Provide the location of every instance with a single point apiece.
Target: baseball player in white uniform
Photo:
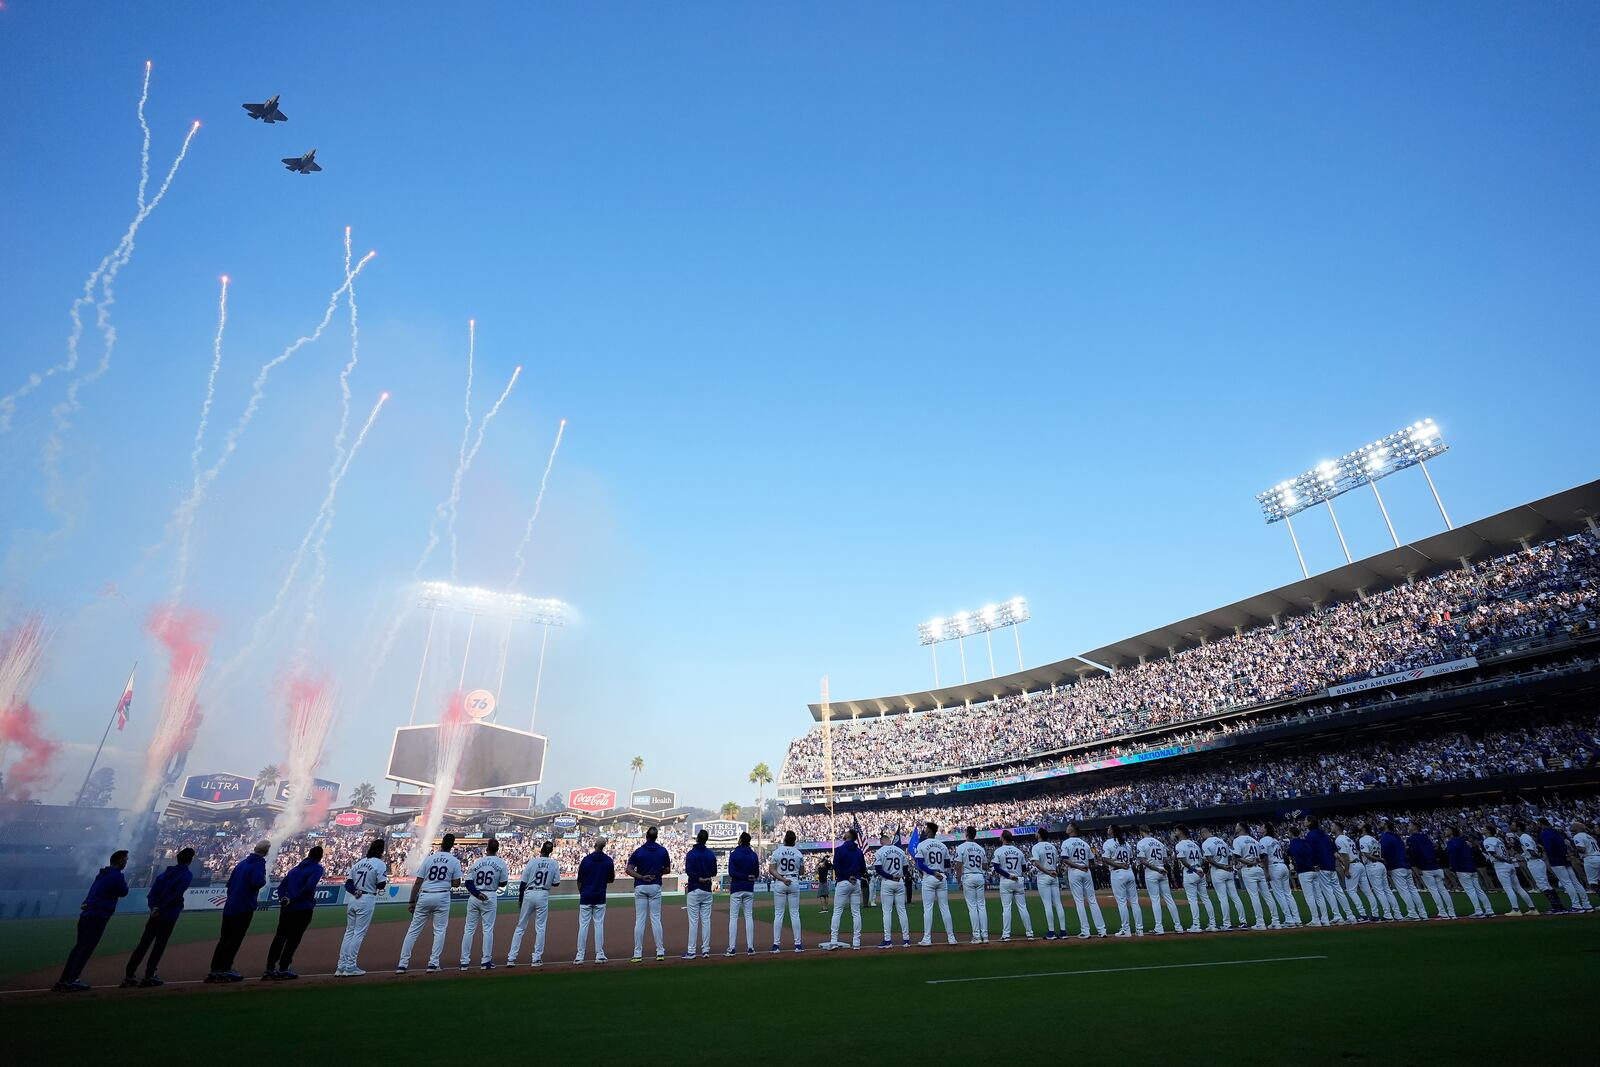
(933, 860)
(1505, 869)
(1219, 860)
(974, 863)
(1533, 860)
(1253, 872)
(1077, 855)
(1352, 872)
(1588, 850)
(541, 875)
(1045, 859)
(430, 902)
(784, 868)
(362, 886)
(1278, 875)
(1192, 863)
(1376, 876)
(1118, 859)
(1010, 865)
(1151, 857)
(489, 874)
(889, 867)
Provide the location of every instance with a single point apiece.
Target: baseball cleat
(636, 959)
(599, 960)
(775, 947)
(749, 952)
(905, 943)
(287, 975)
(433, 968)
(486, 965)
(661, 957)
(400, 970)
(353, 972)
(537, 963)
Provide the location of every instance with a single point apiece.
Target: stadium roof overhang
(1560, 515)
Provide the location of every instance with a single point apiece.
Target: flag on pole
(124, 704)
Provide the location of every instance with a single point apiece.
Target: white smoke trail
(186, 530)
(350, 364)
(538, 502)
(59, 414)
(144, 152)
(8, 403)
(311, 713)
(455, 488)
(442, 510)
(447, 761)
(323, 523)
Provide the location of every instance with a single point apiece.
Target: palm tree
(730, 810)
(636, 765)
(266, 778)
(760, 776)
(364, 796)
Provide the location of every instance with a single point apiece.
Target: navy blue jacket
(1300, 852)
(848, 862)
(1322, 848)
(651, 861)
(166, 893)
(743, 869)
(1555, 846)
(595, 872)
(299, 888)
(107, 888)
(1460, 855)
(701, 867)
(1393, 849)
(244, 884)
(1422, 854)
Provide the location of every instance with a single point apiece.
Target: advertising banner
(592, 798)
(218, 788)
(654, 799)
(1361, 685)
(318, 785)
(721, 833)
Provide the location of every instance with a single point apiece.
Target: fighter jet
(267, 112)
(303, 164)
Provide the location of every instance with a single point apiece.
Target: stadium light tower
(478, 603)
(1412, 446)
(964, 624)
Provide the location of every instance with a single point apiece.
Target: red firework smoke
(187, 638)
(19, 725)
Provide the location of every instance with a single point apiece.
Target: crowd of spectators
(1555, 744)
(1544, 591)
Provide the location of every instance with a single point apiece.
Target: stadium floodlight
(1411, 446)
(964, 624)
(470, 600)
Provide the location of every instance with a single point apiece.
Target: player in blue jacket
(166, 904)
(99, 905)
(700, 868)
(244, 886)
(648, 864)
(744, 867)
(849, 865)
(595, 872)
(297, 901)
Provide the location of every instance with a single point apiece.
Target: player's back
(1188, 853)
(369, 874)
(891, 859)
(971, 856)
(1271, 848)
(1077, 850)
(1009, 859)
(437, 872)
(788, 861)
(934, 856)
(1046, 855)
(1153, 850)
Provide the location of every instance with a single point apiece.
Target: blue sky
(859, 314)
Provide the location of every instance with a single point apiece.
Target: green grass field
(1391, 994)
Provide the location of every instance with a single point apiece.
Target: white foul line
(1117, 970)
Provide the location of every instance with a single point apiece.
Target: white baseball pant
(977, 905)
(1283, 892)
(1540, 875)
(699, 904)
(591, 915)
(1125, 891)
(1355, 881)
(1333, 896)
(892, 899)
(1055, 916)
(1313, 894)
(479, 913)
(936, 889)
(1082, 885)
(1255, 884)
(1377, 876)
(434, 908)
(357, 917)
(1591, 872)
(1516, 896)
(1223, 882)
(743, 901)
(1433, 882)
(1405, 887)
(846, 894)
(647, 904)
(1196, 894)
(1160, 889)
(1474, 890)
(535, 906)
(1014, 894)
(1567, 880)
(785, 899)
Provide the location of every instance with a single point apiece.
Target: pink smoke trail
(538, 502)
(186, 529)
(21, 657)
(19, 725)
(186, 635)
(311, 710)
(453, 729)
(455, 489)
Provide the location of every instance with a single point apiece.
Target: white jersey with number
(788, 862)
(1009, 859)
(1077, 850)
(1271, 848)
(1216, 850)
(1046, 857)
(1114, 852)
(437, 872)
(934, 856)
(1345, 847)
(542, 872)
(368, 876)
(488, 873)
(1247, 848)
(892, 859)
(1585, 843)
(1371, 851)
(1189, 855)
(1154, 851)
(1530, 848)
(972, 857)
(1495, 849)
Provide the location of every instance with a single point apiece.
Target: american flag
(125, 702)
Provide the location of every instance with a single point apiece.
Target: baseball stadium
(766, 262)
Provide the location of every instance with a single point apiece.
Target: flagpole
(99, 748)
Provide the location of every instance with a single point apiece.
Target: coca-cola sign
(592, 798)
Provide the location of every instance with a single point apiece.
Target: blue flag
(916, 838)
